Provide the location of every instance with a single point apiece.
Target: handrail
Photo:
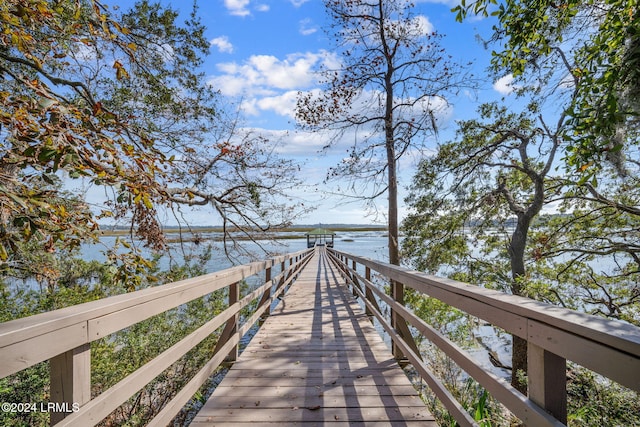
(553, 334)
(63, 337)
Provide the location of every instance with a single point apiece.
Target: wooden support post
(70, 387)
(369, 294)
(269, 292)
(547, 381)
(291, 272)
(400, 325)
(283, 276)
(231, 326)
(397, 293)
(266, 296)
(354, 278)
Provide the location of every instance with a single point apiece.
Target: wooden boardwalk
(316, 361)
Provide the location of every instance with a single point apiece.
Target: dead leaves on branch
(56, 122)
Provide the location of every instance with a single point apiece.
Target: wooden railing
(554, 335)
(63, 337)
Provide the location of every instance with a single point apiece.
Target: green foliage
(594, 400)
(585, 259)
(481, 411)
(597, 51)
(473, 201)
(482, 407)
(484, 192)
(452, 322)
(31, 386)
(114, 98)
(121, 353)
(125, 351)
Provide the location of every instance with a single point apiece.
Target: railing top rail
(619, 335)
(18, 330)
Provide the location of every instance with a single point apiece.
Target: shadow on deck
(318, 359)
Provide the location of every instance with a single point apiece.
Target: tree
(388, 91)
(591, 46)
(592, 51)
(498, 168)
(586, 255)
(122, 352)
(116, 100)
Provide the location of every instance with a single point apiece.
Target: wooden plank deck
(316, 361)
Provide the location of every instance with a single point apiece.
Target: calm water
(371, 244)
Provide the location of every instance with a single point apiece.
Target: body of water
(370, 244)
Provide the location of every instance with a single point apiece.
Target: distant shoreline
(275, 233)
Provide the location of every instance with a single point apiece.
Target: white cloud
(423, 23)
(237, 7)
(166, 51)
(451, 3)
(241, 7)
(504, 85)
(82, 52)
(223, 44)
(298, 3)
(307, 27)
(283, 105)
(268, 84)
(267, 75)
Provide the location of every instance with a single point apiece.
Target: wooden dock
(317, 360)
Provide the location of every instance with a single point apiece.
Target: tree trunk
(394, 251)
(390, 144)
(519, 345)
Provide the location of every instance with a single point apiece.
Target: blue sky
(263, 52)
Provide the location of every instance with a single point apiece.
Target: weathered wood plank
(297, 415)
(321, 423)
(317, 359)
(22, 354)
(320, 400)
(364, 390)
(28, 327)
(508, 308)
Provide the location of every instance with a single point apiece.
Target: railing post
(400, 325)
(266, 296)
(397, 293)
(369, 295)
(547, 381)
(283, 275)
(70, 382)
(234, 297)
(354, 277)
(231, 326)
(267, 279)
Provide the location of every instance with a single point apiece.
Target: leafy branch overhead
(115, 100)
(596, 50)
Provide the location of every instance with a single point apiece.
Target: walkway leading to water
(316, 361)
